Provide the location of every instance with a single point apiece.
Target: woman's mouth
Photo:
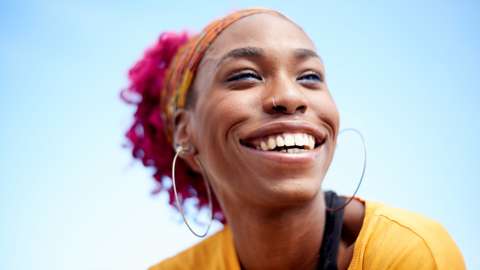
(287, 142)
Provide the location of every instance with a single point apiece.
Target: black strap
(332, 232)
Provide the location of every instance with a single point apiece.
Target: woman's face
(264, 123)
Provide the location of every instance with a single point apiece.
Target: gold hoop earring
(363, 169)
(179, 150)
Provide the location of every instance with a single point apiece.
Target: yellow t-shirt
(390, 238)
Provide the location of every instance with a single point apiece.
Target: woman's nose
(285, 98)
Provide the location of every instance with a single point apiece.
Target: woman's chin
(290, 192)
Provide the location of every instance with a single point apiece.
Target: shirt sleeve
(396, 246)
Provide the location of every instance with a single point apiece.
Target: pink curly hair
(147, 136)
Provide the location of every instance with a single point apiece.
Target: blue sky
(404, 73)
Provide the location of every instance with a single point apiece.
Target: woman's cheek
(211, 121)
(326, 109)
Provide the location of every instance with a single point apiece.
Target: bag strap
(332, 232)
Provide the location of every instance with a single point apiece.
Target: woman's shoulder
(215, 252)
(390, 238)
(403, 240)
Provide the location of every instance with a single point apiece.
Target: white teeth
(263, 145)
(289, 139)
(295, 150)
(271, 143)
(280, 141)
(311, 142)
(303, 140)
(299, 140)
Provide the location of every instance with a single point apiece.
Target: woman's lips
(287, 134)
(285, 141)
(296, 157)
(290, 126)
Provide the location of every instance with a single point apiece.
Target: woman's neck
(287, 239)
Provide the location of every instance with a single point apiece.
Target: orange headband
(180, 74)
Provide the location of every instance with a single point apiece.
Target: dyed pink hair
(147, 135)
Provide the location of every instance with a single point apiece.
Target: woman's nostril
(284, 109)
(288, 105)
(302, 108)
(280, 108)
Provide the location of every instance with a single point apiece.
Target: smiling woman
(246, 106)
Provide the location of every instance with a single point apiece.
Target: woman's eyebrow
(303, 54)
(244, 52)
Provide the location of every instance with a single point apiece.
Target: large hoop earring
(179, 150)
(363, 170)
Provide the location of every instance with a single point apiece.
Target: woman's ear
(182, 135)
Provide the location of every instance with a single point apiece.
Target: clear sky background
(403, 72)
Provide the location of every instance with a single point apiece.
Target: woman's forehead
(264, 31)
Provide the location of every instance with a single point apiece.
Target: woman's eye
(311, 77)
(243, 76)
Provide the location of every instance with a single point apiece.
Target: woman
(246, 106)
